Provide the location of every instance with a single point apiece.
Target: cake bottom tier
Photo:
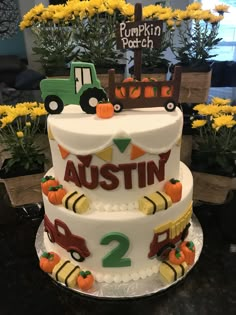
(118, 246)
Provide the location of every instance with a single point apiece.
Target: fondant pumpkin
(188, 249)
(173, 188)
(166, 91)
(149, 91)
(176, 256)
(105, 110)
(47, 182)
(85, 280)
(48, 261)
(134, 91)
(56, 194)
(120, 92)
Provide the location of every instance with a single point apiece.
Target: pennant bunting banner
(122, 143)
(64, 152)
(136, 152)
(105, 154)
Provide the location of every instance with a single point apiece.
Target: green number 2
(114, 257)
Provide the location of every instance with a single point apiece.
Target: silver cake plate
(132, 289)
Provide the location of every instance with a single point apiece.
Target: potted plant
(214, 150)
(53, 43)
(20, 129)
(154, 62)
(196, 35)
(94, 31)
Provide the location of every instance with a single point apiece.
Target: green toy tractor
(82, 88)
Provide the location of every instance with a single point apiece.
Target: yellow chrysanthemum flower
(220, 101)
(215, 19)
(221, 8)
(224, 120)
(36, 112)
(20, 134)
(198, 123)
(194, 6)
(6, 120)
(28, 124)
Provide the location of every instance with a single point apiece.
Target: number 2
(115, 257)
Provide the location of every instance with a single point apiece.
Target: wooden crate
(24, 190)
(195, 87)
(212, 188)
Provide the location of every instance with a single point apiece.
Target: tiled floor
(210, 288)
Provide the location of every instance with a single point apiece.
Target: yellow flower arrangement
(196, 32)
(20, 125)
(155, 58)
(215, 124)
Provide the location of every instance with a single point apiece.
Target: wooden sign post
(137, 35)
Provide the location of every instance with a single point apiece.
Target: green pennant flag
(122, 143)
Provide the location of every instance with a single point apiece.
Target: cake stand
(132, 289)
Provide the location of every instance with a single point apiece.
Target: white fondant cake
(115, 218)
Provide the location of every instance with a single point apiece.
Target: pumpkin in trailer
(48, 260)
(56, 194)
(47, 182)
(104, 110)
(85, 280)
(166, 91)
(134, 91)
(120, 92)
(188, 248)
(150, 91)
(176, 256)
(173, 188)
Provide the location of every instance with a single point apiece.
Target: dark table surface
(210, 287)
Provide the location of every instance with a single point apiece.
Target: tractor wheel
(53, 104)
(170, 106)
(90, 98)
(118, 107)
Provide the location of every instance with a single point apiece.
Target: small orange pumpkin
(120, 92)
(48, 261)
(173, 188)
(150, 91)
(47, 182)
(166, 91)
(56, 194)
(176, 256)
(105, 110)
(134, 91)
(188, 249)
(85, 280)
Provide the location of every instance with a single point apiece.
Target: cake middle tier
(115, 160)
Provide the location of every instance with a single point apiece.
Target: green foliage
(53, 45)
(195, 41)
(96, 37)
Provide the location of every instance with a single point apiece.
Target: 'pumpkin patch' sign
(139, 34)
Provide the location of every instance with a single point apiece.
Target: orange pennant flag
(64, 152)
(136, 152)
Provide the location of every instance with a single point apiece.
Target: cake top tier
(153, 129)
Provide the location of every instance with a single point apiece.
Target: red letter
(106, 171)
(142, 174)
(94, 176)
(127, 168)
(71, 174)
